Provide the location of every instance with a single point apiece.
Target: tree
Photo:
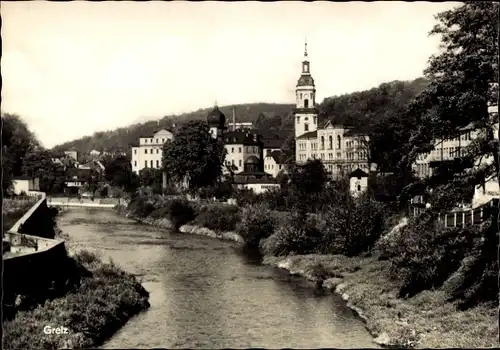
(459, 92)
(149, 177)
(17, 141)
(39, 164)
(119, 173)
(194, 156)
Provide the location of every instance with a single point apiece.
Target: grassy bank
(420, 285)
(13, 211)
(426, 320)
(105, 299)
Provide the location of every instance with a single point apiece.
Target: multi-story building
(241, 145)
(148, 154)
(72, 154)
(444, 150)
(339, 148)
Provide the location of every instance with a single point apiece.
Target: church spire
(305, 50)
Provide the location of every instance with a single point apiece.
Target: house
(25, 185)
(148, 153)
(94, 153)
(339, 148)
(486, 191)
(274, 162)
(72, 154)
(240, 146)
(76, 178)
(358, 182)
(253, 178)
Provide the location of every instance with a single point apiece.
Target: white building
(340, 150)
(358, 182)
(148, 154)
(72, 154)
(274, 162)
(25, 185)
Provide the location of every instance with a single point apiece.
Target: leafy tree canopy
(194, 156)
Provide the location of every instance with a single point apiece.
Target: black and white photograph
(250, 174)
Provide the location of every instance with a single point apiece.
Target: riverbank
(105, 299)
(426, 320)
(368, 284)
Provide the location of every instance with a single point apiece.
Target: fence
(462, 217)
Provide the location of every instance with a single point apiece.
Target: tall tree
(460, 91)
(194, 156)
(119, 173)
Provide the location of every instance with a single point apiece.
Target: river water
(204, 293)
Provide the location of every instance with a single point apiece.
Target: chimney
(234, 118)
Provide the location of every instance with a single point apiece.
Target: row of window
(151, 164)
(448, 152)
(306, 119)
(314, 145)
(151, 152)
(349, 156)
(231, 162)
(271, 166)
(157, 140)
(249, 149)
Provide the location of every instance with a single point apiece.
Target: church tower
(306, 116)
(217, 122)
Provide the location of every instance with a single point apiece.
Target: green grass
(92, 312)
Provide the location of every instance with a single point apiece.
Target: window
(145, 151)
(339, 145)
(232, 161)
(151, 151)
(135, 163)
(151, 140)
(322, 156)
(135, 151)
(306, 103)
(330, 142)
(162, 140)
(145, 140)
(157, 150)
(151, 162)
(359, 187)
(300, 96)
(157, 141)
(306, 127)
(298, 119)
(239, 149)
(322, 142)
(145, 163)
(239, 162)
(232, 149)
(158, 164)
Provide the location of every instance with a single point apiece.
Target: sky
(72, 68)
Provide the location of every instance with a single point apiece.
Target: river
(204, 293)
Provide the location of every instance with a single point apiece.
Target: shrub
(245, 197)
(140, 206)
(178, 211)
(297, 235)
(426, 254)
(218, 217)
(480, 278)
(256, 223)
(353, 227)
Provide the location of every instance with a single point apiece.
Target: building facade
(149, 152)
(338, 147)
(240, 146)
(274, 162)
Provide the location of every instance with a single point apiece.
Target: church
(339, 148)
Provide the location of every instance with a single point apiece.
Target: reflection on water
(205, 293)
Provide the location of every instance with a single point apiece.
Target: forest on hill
(362, 109)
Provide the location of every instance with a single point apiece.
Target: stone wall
(38, 221)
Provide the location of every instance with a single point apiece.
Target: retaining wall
(38, 220)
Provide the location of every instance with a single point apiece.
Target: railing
(462, 218)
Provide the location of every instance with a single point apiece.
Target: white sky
(72, 68)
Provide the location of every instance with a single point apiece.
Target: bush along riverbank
(414, 282)
(104, 300)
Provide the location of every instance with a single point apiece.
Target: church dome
(252, 160)
(216, 118)
(305, 80)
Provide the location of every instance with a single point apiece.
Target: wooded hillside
(362, 109)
